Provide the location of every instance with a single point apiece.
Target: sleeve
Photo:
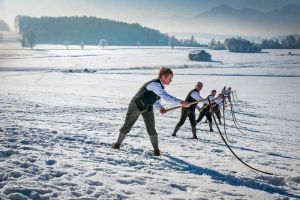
(219, 101)
(196, 96)
(158, 90)
(227, 93)
(158, 105)
(210, 98)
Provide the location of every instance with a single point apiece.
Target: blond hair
(164, 71)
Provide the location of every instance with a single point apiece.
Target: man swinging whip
(142, 104)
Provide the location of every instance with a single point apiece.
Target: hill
(56, 30)
(4, 26)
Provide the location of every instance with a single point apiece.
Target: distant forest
(245, 46)
(289, 42)
(90, 30)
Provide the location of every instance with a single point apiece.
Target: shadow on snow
(177, 163)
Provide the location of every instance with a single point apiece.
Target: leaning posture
(205, 110)
(217, 105)
(142, 104)
(192, 96)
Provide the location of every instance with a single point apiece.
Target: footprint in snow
(131, 181)
(50, 162)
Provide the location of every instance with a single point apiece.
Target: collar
(161, 82)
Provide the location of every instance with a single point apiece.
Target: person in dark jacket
(216, 105)
(192, 96)
(142, 103)
(206, 111)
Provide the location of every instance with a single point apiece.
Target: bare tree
(28, 39)
(82, 45)
(212, 43)
(138, 44)
(67, 44)
(103, 43)
(172, 42)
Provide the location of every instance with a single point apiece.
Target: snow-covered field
(57, 126)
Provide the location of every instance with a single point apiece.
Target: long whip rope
(236, 124)
(253, 168)
(233, 97)
(224, 120)
(236, 95)
(223, 102)
(233, 114)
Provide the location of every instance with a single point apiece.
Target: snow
(57, 127)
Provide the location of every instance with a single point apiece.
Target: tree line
(289, 42)
(245, 46)
(90, 30)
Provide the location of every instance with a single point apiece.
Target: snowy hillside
(57, 126)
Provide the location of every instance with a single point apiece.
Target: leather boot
(210, 127)
(119, 141)
(157, 152)
(116, 146)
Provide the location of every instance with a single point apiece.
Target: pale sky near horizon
(141, 11)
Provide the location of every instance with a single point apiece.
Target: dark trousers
(133, 114)
(187, 112)
(217, 111)
(205, 112)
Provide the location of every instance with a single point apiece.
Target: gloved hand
(163, 111)
(185, 104)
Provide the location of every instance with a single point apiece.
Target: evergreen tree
(270, 44)
(216, 45)
(192, 41)
(219, 46)
(291, 41)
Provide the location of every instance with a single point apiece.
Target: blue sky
(145, 12)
